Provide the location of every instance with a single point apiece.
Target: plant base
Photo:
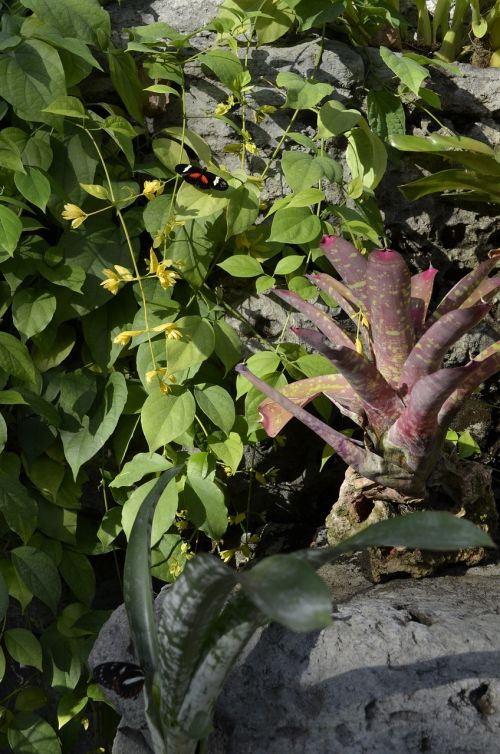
(458, 486)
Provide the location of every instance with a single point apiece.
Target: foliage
(205, 622)
(115, 356)
(390, 378)
(475, 180)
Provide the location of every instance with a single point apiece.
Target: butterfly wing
(124, 678)
(201, 178)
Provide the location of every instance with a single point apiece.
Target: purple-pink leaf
(466, 286)
(368, 464)
(338, 292)
(427, 354)
(421, 292)
(484, 292)
(381, 403)
(349, 263)
(388, 290)
(334, 386)
(417, 427)
(486, 364)
(323, 322)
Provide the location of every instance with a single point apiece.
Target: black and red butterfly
(124, 678)
(201, 178)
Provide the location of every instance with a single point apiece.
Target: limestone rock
(406, 667)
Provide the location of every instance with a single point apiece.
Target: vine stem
(129, 245)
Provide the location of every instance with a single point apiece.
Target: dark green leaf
(18, 507)
(287, 590)
(23, 647)
(39, 574)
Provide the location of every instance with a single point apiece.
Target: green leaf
(85, 20)
(32, 77)
(194, 245)
(203, 499)
(241, 266)
(366, 157)
(137, 591)
(169, 153)
(300, 93)
(164, 514)
(126, 81)
(34, 186)
(289, 264)
(229, 451)
(217, 404)
(15, 585)
(140, 465)
(386, 114)
(30, 698)
(191, 139)
(227, 344)
(165, 417)
(32, 310)
(29, 734)
(467, 445)
(426, 530)
(242, 210)
(196, 346)
(4, 598)
(17, 507)
(334, 119)
(70, 107)
(23, 647)
(288, 591)
(39, 574)
(191, 202)
(410, 73)
(3, 433)
(97, 427)
(2, 664)
(95, 190)
(10, 230)
(77, 572)
(304, 198)
(295, 226)
(69, 706)
(301, 170)
(226, 66)
(272, 22)
(10, 156)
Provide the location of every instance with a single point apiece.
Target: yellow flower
(175, 568)
(152, 189)
(153, 262)
(166, 277)
(170, 330)
(164, 388)
(113, 279)
(75, 214)
(123, 273)
(124, 338)
(251, 147)
(227, 555)
(112, 282)
(223, 108)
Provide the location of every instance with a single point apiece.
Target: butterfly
(201, 178)
(124, 678)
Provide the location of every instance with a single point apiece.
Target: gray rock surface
(409, 666)
(406, 667)
(183, 15)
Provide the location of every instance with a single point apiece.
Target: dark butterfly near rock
(201, 178)
(124, 678)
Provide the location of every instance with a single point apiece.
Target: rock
(183, 16)
(406, 667)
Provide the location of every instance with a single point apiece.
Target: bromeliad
(390, 378)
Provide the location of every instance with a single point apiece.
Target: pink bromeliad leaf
(302, 392)
(420, 296)
(427, 354)
(388, 291)
(466, 286)
(323, 322)
(349, 263)
(368, 464)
